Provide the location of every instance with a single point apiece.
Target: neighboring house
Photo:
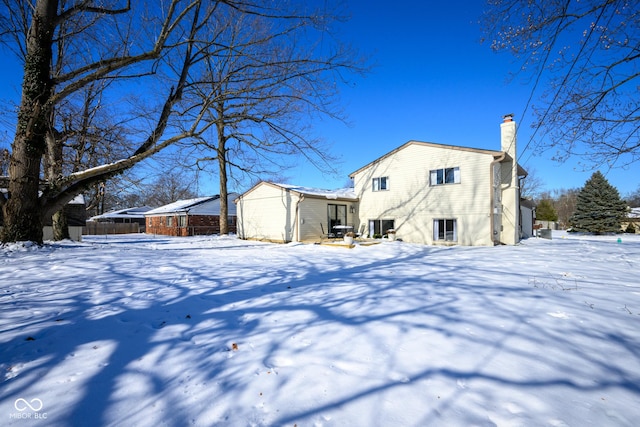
(633, 218)
(114, 220)
(190, 217)
(527, 218)
(286, 213)
(442, 194)
(427, 193)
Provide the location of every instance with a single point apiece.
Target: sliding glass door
(337, 215)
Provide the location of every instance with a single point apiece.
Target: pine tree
(545, 211)
(599, 208)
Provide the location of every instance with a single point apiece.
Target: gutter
(491, 199)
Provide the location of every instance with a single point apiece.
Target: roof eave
(425, 144)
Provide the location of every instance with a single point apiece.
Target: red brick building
(192, 217)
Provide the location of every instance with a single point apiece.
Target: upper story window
(445, 176)
(380, 184)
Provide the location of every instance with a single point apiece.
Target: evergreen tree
(545, 211)
(599, 208)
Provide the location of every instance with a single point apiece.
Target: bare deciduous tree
(168, 188)
(261, 86)
(586, 54)
(633, 198)
(116, 56)
(4, 161)
(154, 45)
(531, 185)
(565, 204)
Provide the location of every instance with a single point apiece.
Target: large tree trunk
(53, 173)
(22, 213)
(60, 226)
(222, 170)
(22, 220)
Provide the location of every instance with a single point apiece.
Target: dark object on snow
(545, 233)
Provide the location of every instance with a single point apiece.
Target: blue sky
(432, 80)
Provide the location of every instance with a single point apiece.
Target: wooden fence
(110, 228)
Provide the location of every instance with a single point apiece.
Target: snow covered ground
(158, 331)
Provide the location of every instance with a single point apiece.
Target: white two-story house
(427, 193)
(442, 194)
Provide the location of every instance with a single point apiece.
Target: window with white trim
(445, 176)
(380, 184)
(379, 227)
(445, 230)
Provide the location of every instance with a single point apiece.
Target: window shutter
(456, 175)
(436, 230)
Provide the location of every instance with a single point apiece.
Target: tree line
(597, 207)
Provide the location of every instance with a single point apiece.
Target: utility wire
(542, 69)
(564, 81)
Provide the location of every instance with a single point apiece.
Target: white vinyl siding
(413, 203)
(270, 212)
(267, 213)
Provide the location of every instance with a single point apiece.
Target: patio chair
(328, 235)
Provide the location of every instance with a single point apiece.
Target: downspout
(491, 198)
(187, 222)
(296, 218)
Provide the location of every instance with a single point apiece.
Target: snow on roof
(342, 193)
(634, 213)
(180, 205)
(137, 212)
(198, 206)
(78, 200)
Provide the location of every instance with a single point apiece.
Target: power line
(566, 77)
(541, 70)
